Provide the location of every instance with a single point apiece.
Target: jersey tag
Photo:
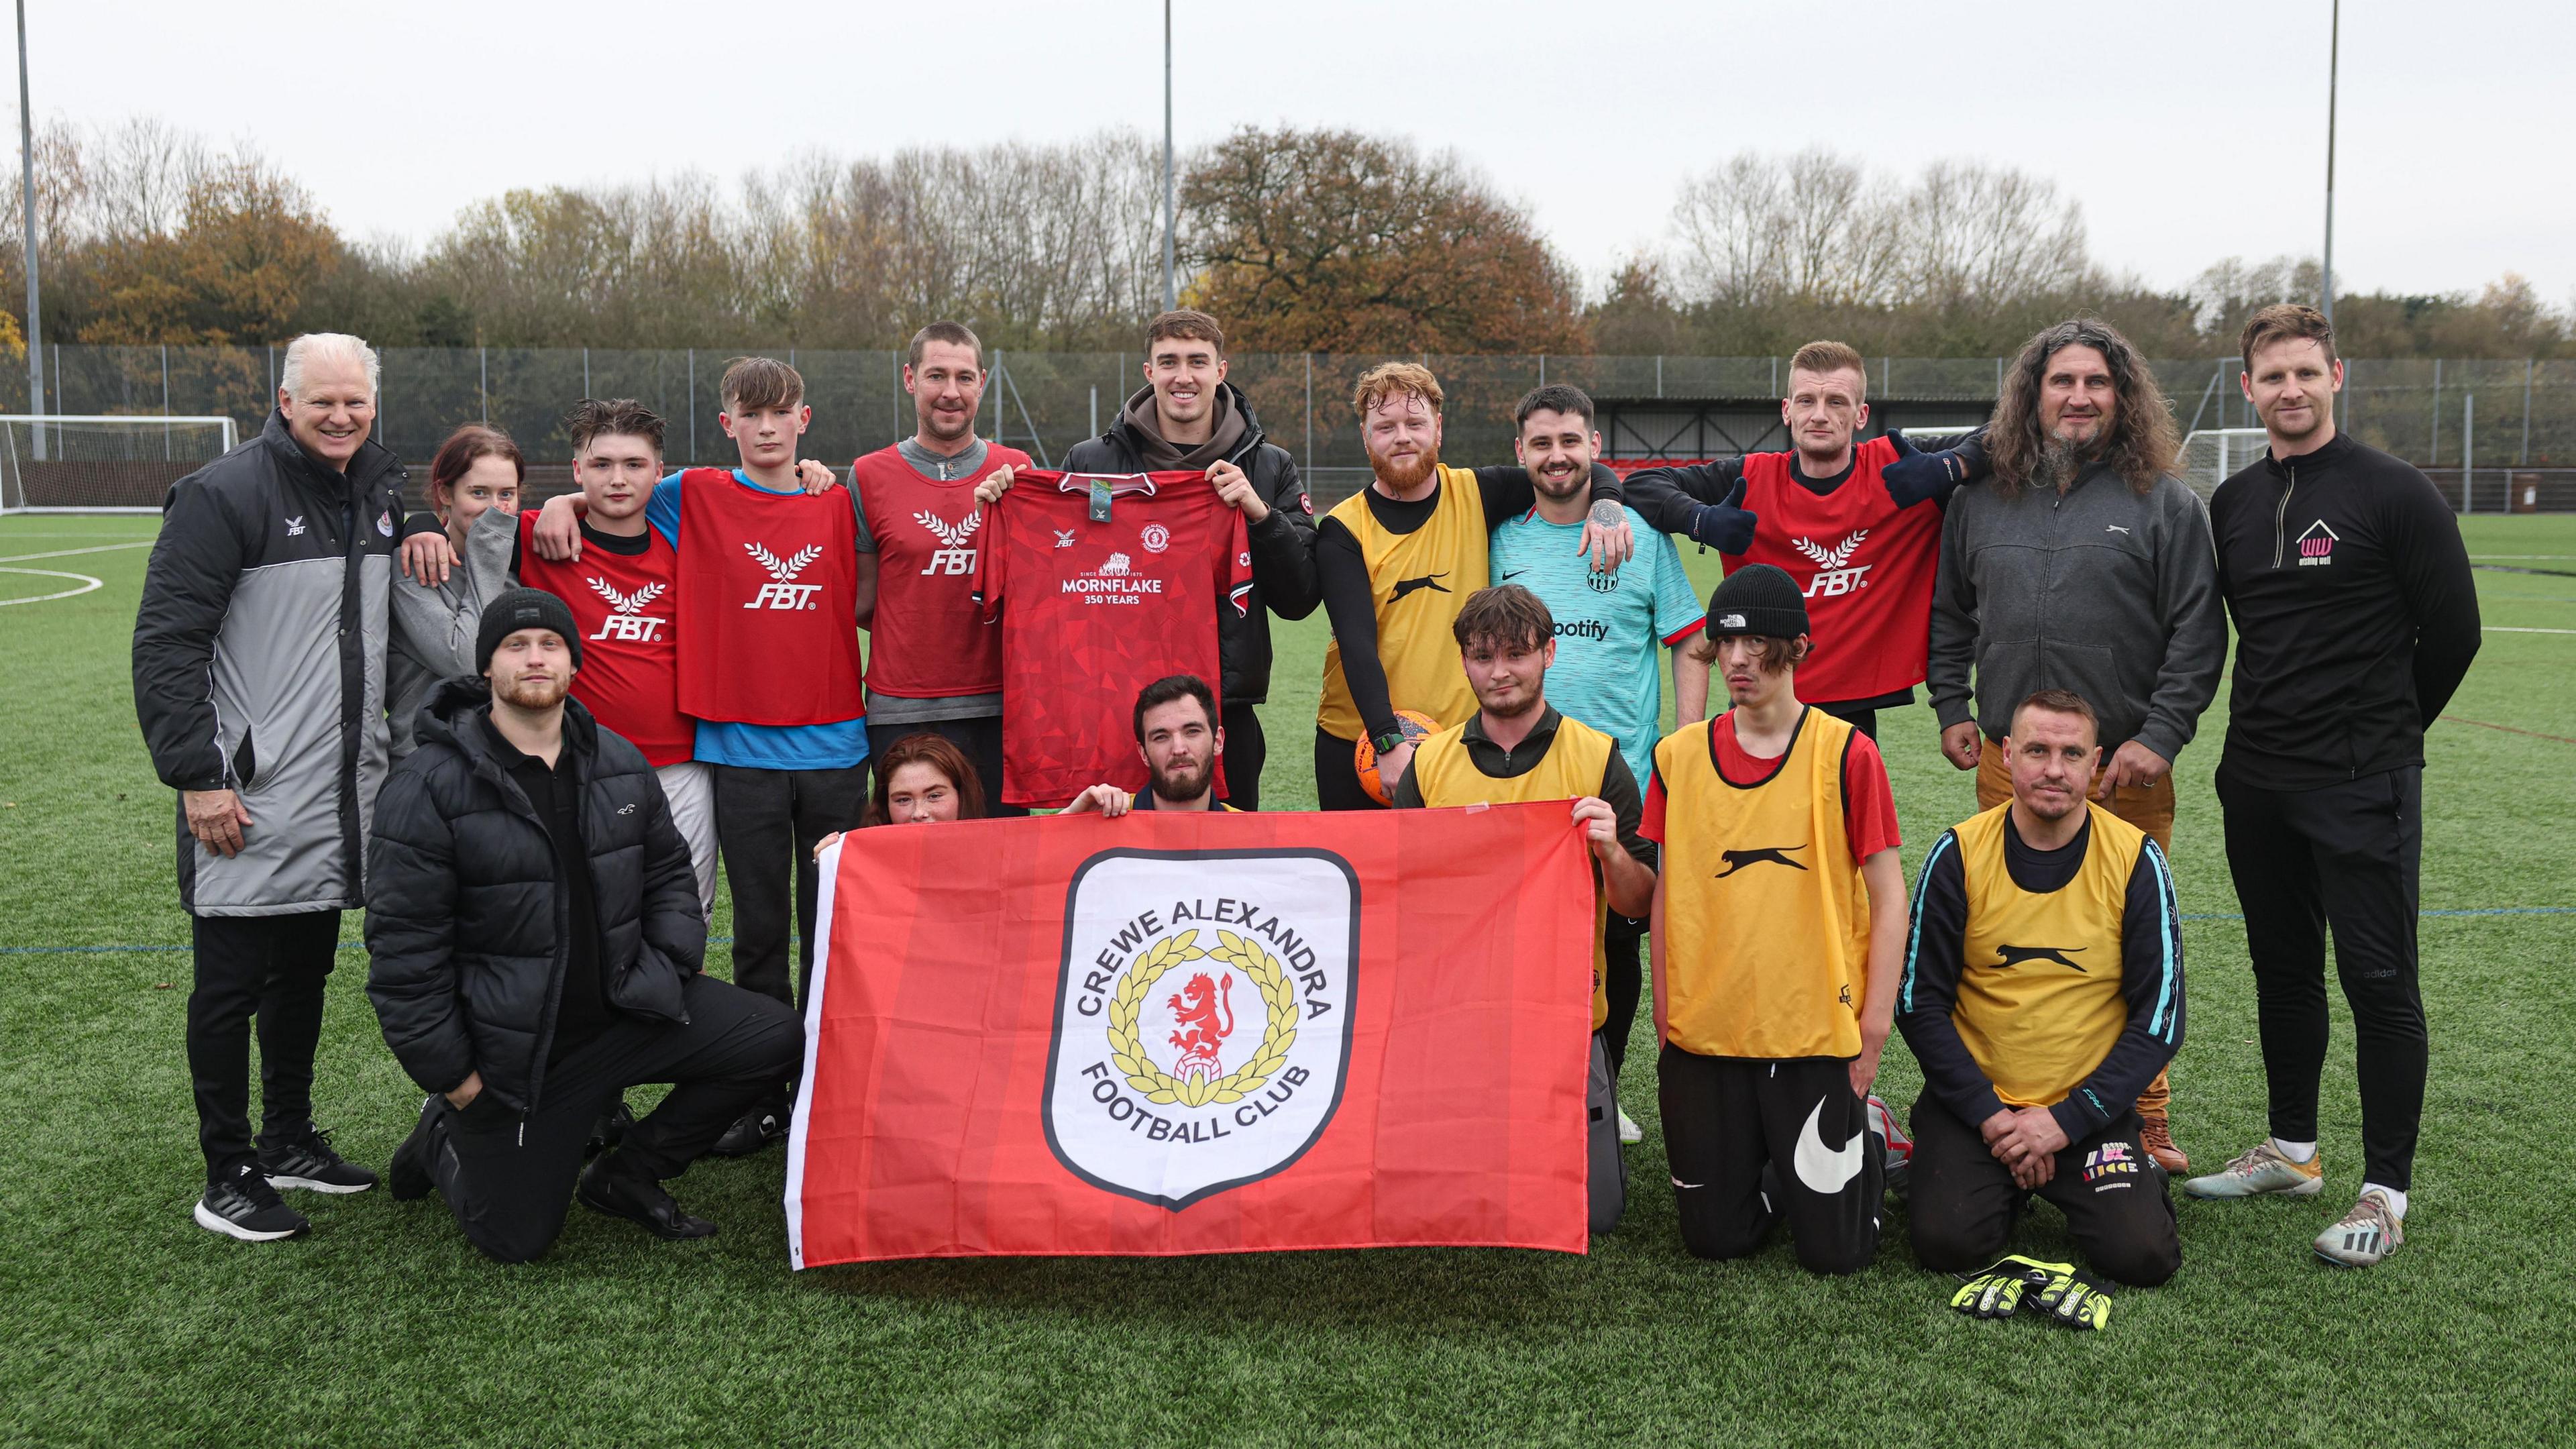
(1100, 500)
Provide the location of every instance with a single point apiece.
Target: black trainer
(606, 1187)
(310, 1163)
(407, 1175)
(241, 1204)
(754, 1130)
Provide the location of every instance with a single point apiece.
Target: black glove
(2075, 1300)
(1917, 476)
(1997, 1291)
(1725, 526)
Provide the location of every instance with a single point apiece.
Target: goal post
(102, 463)
(2210, 455)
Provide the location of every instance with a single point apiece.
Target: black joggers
(2349, 856)
(1728, 1119)
(767, 824)
(1963, 1201)
(509, 1177)
(270, 968)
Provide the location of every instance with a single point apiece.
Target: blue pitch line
(728, 940)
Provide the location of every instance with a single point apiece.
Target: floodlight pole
(1171, 294)
(2334, 65)
(27, 208)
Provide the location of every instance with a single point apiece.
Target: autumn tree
(1332, 241)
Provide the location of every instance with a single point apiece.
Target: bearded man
(2085, 566)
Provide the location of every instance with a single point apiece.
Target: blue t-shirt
(833, 746)
(1610, 629)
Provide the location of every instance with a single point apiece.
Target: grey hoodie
(2101, 591)
(434, 628)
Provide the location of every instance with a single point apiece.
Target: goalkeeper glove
(2075, 1300)
(1997, 1291)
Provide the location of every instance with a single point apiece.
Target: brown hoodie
(1161, 456)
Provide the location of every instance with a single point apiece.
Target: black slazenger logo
(1407, 586)
(1769, 855)
(2007, 957)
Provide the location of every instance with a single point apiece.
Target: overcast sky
(2191, 130)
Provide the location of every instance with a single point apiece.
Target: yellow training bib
(2039, 1002)
(1418, 581)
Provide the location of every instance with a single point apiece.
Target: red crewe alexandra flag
(1197, 1033)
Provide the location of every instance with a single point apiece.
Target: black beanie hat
(1755, 599)
(518, 609)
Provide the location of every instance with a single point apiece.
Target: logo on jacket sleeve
(2316, 546)
(1200, 1040)
(952, 556)
(626, 619)
(782, 591)
(1835, 574)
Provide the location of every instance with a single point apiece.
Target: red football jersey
(627, 608)
(929, 640)
(1092, 612)
(769, 631)
(1866, 565)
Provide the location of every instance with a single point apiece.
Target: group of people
(590, 702)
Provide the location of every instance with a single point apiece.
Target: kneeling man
(2042, 992)
(1178, 735)
(1516, 747)
(535, 936)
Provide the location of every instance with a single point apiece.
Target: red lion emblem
(1203, 1012)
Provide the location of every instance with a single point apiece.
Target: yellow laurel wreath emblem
(1127, 1047)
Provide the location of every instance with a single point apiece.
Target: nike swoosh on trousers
(1824, 1170)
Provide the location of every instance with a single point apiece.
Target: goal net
(111, 464)
(2211, 454)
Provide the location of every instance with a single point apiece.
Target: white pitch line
(68, 552)
(87, 584)
(2501, 629)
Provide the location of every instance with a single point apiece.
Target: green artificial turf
(121, 1322)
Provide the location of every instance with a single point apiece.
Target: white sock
(2295, 1151)
(2396, 1199)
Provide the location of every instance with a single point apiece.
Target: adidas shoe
(309, 1162)
(2260, 1171)
(241, 1204)
(2370, 1232)
(1629, 1131)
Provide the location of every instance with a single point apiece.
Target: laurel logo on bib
(1200, 1039)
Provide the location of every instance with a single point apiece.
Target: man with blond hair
(259, 681)
(1397, 560)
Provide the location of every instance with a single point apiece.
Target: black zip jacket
(2356, 614)
(467, 933)
(1283, 544)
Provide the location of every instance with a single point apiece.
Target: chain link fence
(2494, 416)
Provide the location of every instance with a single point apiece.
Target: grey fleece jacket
(2101, 591)
(434, 629)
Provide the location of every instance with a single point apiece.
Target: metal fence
(2438, 414)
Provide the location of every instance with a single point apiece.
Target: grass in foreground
(122, 1322)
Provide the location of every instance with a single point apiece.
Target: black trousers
(979, 738)
(509, 1178)
(1337, 776)
(1625, 984)
(270, 968)
(2347, 855)
(1726, 1119)
(767, 823)
(1246, 751)
(1861, 719)
(1964, 1202)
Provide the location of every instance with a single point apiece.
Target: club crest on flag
(1202, 1017)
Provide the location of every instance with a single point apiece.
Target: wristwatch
(1387, 741)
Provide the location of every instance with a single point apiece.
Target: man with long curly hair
(2085, 565)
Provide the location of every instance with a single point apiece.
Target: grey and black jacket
(259, 666)
(434, 628)
(467, 939)
(1282, 545)
(2104, 591)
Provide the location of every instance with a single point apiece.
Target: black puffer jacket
(1282, 545)
(465, 909)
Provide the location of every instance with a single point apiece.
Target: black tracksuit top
(2356, 614)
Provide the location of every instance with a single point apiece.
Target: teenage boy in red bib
(934, 663)
(1844, 521)
(769, 667)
